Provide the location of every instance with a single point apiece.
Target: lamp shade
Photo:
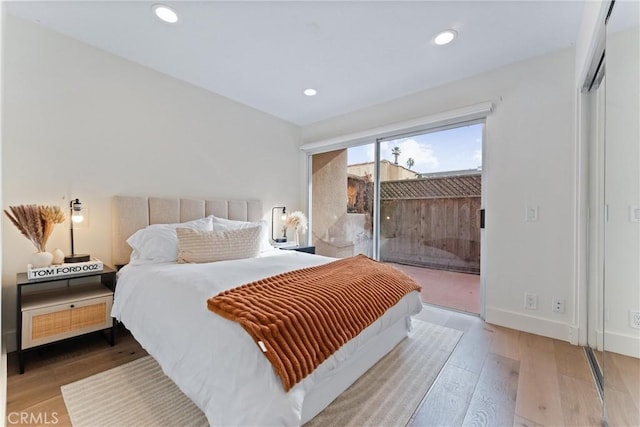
(278, 221)
(78, 215)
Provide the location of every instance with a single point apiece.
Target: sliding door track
(595, 370)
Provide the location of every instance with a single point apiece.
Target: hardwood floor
(495, 377)
(498, 376)
(36, 393)
(621, 389)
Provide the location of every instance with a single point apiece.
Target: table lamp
(78, 216)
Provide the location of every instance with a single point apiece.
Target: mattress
(212, 359)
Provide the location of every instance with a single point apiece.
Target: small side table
(51, 313)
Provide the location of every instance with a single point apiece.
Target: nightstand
(301, 248)
(58, 308)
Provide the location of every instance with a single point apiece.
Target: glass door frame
(376, 199)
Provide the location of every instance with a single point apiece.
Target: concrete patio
(460, 291)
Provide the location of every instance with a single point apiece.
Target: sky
(452, 149)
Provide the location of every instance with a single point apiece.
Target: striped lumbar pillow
(200, 246)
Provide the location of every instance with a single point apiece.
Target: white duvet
(212, 359)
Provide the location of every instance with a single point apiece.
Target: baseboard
(574, 335)
(532, 324)
(628, 345)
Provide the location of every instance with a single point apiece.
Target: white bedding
(212, 359)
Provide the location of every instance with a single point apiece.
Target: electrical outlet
(558, 305)
(531, 213)
(634, 319)
(530, 301)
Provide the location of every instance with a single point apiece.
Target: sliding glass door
(429, 204)
(430, 192)
(412, 201)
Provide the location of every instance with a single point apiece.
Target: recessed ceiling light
(310, 92)
(445, 37)
(165, 13)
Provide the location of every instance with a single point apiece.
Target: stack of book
(67, 269)
(283, 244)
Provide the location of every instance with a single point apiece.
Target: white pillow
(221, 224)
(159, 242)
(211, 246)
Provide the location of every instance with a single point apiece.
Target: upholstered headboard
(130, 214)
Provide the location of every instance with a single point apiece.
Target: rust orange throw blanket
(302, 317)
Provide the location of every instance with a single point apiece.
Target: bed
(212, 359)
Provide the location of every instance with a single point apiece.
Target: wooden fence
(440, 233)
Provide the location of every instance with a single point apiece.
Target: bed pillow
(210, 246)
(159, 242)
(221, 224)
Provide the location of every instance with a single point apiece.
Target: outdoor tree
(410, 162)
(395, 152)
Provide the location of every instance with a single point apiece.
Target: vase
(41, 259)
(297, 238)
(58, 256)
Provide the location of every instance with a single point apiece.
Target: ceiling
(355, 54)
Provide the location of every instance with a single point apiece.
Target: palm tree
(410, 162)
(395, 152)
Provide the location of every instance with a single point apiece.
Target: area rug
(138, 393)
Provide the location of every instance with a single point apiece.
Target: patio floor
(460, 291)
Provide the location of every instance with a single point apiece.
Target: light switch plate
(531, 213)
(634, 214)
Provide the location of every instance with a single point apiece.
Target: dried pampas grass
(35, 222)
(297, 220)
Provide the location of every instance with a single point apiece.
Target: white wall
(622, 191)
(530, 161)
(79, 122)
